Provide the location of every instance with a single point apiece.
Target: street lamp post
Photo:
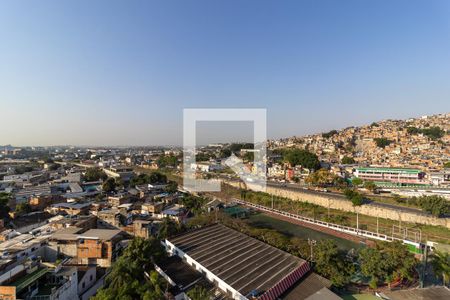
(311, 244)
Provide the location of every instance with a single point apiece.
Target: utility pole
(377, 225)
(328, 208)
(357, 222)
(312, 243)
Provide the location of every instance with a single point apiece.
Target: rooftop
(28, 279)
(72, 205)
(102, 234)
(395, 170)
(311, 286)
(241, 261)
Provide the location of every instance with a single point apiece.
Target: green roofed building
(396, 176)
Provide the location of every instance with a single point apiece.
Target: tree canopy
(387, 262)
(346, 160)
(433, 133)
(332, 263)
(168, 228)
(128, 279)
(154, 177)
(441, 265)
(4, 208)
(382, 142)
(370, 185)
(236, 147)
(109, 185)
(23, 208)
(436, 205)
(165, 161)
(354, 196)
(329, 134)
(301, 157)
(323, 177)
(95, 174)
(193, 203)
(357, 181)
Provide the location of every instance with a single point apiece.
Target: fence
(337, 227)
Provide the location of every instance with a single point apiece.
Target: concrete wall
(93, 290)
(328, 200)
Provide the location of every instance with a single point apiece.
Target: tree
(128, 275)
(441, 265)
(109, 185)
(329, 134)
(249, 156)
(447, 164)
(199, 293)
(144, 252)
(153, 177)
(356, 198)
(357, 181)
(225, 153)
(23, 208)
(322, 177)
(95, 174)
(4, 208)
(436, 205)
(202, 157)
(332, 263)
(433, 133)
(167, 161)
(382, 142)
(193, 203)
(303, 158)
(412, 130)
(370, 185)
(371, 263)
(347, 160)
(387, 262)
(168, 228)
(171, 187)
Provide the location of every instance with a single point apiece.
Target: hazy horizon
(207, 139)
(110, 73)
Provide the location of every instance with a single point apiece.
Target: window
(91, 277)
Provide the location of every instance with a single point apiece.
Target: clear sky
(121, 72)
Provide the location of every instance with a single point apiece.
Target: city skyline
(123, 75)
(238, 132)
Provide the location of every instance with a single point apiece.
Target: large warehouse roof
(244, 263)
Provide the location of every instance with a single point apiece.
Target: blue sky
(121, 72)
